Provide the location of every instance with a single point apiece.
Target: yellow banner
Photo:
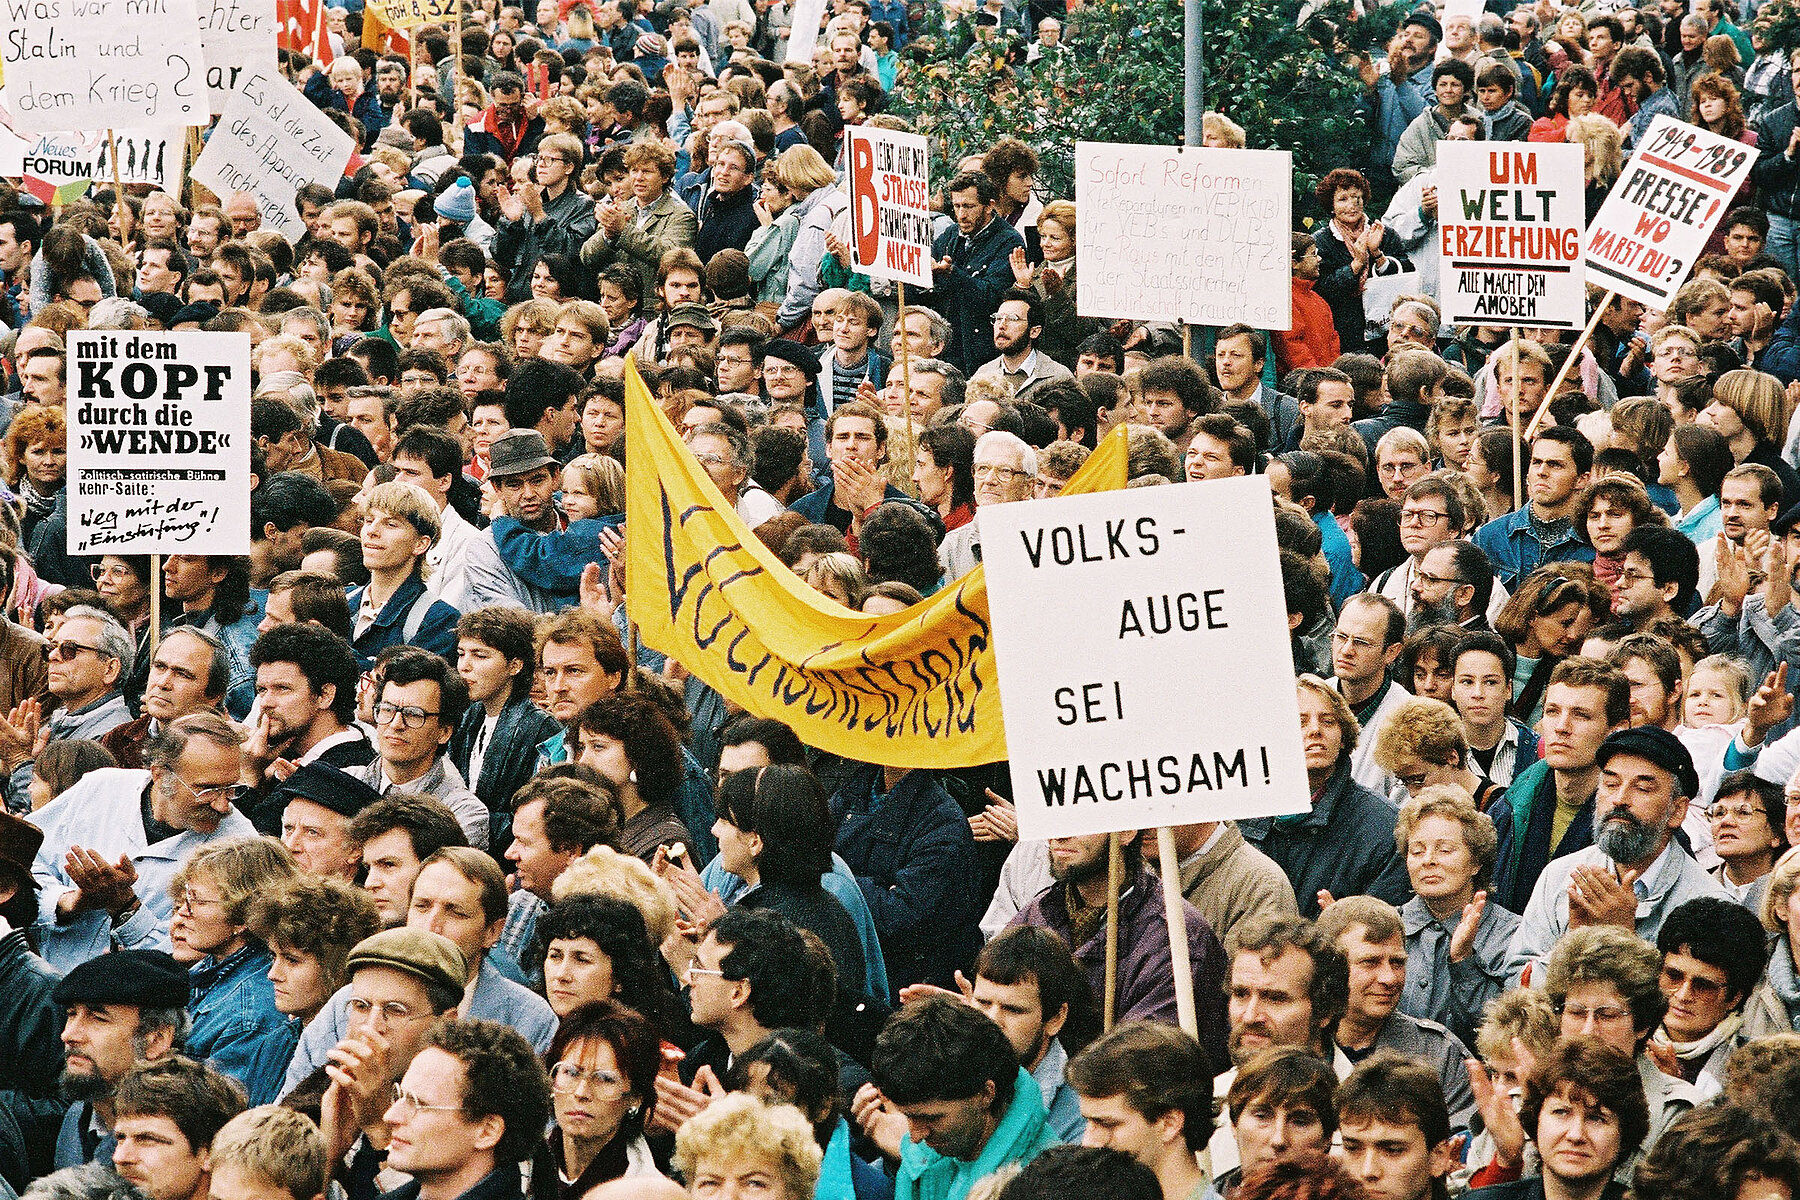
(916, 688)
(409, 14)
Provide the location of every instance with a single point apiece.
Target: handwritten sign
(1113, 611)
(803, 30)
(91, 64)
(1172, 234)
(890, 204)
(410, 14)
(1510, 217)
(159, 443)
(239, 36)
(1668, 200)
(149, 156)
(269, 142)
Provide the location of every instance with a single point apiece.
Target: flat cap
(428, 956)
(794, 352)
(1659, 747)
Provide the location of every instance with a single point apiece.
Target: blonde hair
(276, 1144)
(1227, 129)
(741, 1127)
(1783, 878)
(1603, 145)
(408, 501)
(241, 867)
(604, 478)
(304, 356)
(845, 570)
(1758, 399)
(1523, 1013)
(803, 171)
(1422, 728)
(539, 316)
(604, 871)
(1453, 804)
(1340, 710)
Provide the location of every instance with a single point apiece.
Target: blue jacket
(552, 562)
(969, 292)
(914, 857)
(1400, 102)
(1515, 551)
(1344, 846)
(236, 1023)
(511, 756)
(436, 632)
(1781, 357)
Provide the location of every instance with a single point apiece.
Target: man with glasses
(421, 702)
(402, 981)
(1018, 323)
(114, 841)
(1453, 584)
(87, 665)
(1431, 514)
(1748, 821)
(1369, 636)
(547, 215)
(1006, 469)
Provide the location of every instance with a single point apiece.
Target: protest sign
(159, 443)
(239, 36)
(890, 204)
(803, 30)
(1666, 203)
(1176, 234)
(55, 160)
(1145, 673)
(1510, 217)
(410, 14)
(269, 142)
(92, 64)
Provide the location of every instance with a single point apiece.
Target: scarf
(1689, 1051)
(835, 1181)
(1021, 1135)
(1784, 982)
(37, 505)
(1549, 533)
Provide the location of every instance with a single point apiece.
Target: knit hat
(1424, 20)
(456, 202)
(728, 274)
(397, 137)
(793, 352)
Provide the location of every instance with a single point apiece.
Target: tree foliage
(1291, 86)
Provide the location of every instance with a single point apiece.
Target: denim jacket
(236, 1024)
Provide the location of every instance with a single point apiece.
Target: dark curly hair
(617, 927)
(652, 744)
(898, 543)
(503, 1078)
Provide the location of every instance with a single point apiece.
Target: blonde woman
(1603, 145)
(1749, 410)
(809, 182)
(1774, 1007)
(741, 1146)
(1053, 280)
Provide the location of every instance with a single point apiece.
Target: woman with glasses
(123, 581)
(1746, 822)
(603, 1064)
(236, 1021)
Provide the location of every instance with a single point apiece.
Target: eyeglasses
(1740, 811)
(212, 793)
(393, 1010)
(1005, 320)
(1601, 1016)
(1398, 469)
(713, 460)
(568, 1077)
(553, 158)
(404, 1098)
(1419, 516)
(412, 716)
(67, 651)
(1438, 580)
(1633, 578)
(1340, 638)
(101, 573)
(694, 969)
(1003, 474)
(189, 904)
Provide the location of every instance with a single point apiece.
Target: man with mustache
(1635, 873)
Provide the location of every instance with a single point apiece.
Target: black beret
(325, 785)
(794, 352)
(143, 978)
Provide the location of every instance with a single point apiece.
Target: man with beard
(1453, 584)
(1287, 986)
(1660, 571)
(1431, 513)
(1074, 907)
(1635, 873)
(119, 1009)
(306, 680)
(1405, 90)
(1018, 323)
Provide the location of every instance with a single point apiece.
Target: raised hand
(1771, 705)
(1021, 269)
(1462, 940)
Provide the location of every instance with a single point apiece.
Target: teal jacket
(1021, 1135)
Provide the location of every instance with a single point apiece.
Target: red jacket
(1313, 341)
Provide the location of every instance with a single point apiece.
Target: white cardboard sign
(239, 36)
(1510, 216)
(95, 64)
(269, 142)
(1142, 644)
(150, 156)
(890, 204)
(159, 443)
(1176, 234)
(1671, 195)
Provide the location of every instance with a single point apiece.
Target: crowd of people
(389, 863)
